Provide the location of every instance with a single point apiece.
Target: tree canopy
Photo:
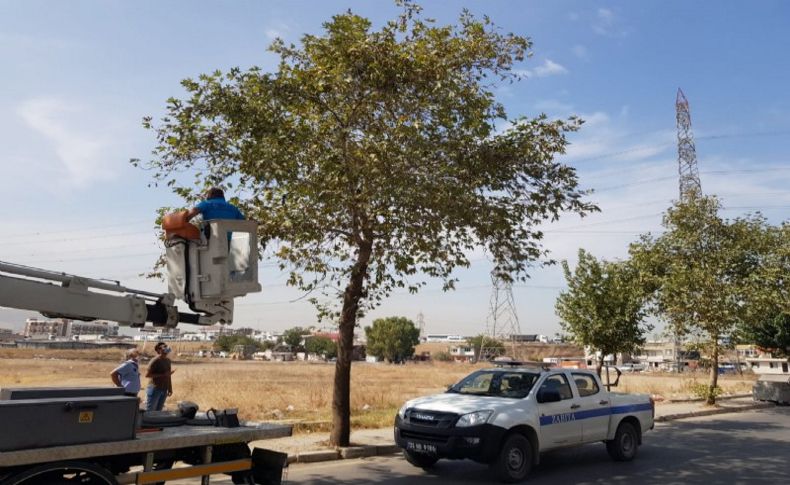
(702, 272)
(373, 158)
(494, 347)
(392, 338)
(604, 306)
(293, 337)
(322, 346)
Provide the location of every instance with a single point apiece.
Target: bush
(442, 357)
(702, 390)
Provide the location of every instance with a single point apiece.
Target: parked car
(506, 417)
(632, 367)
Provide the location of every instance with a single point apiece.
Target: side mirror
(549, 395)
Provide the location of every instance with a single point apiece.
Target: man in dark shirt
(160, 386)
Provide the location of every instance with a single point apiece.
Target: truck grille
(431, 419)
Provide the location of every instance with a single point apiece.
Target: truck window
(586, 384)
(496, 383)
(558, 382)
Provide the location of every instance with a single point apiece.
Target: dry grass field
(295, 391)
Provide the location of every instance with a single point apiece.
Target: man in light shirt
(127, 375)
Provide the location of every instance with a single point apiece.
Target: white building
(768, 365)
(434, 338)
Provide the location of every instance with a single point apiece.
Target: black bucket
(268, 465)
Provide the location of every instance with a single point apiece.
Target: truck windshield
(498, 383)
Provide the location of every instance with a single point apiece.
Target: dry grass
(673, 386)
(297, 392)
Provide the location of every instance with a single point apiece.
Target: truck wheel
(419, 460)
(514, 460)
(63, 473)
(625, 443)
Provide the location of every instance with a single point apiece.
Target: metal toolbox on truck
(8, 393)
(38, 423)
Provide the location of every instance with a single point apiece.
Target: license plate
(421, 447)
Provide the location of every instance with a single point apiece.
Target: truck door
(594, 411)
(558, 424)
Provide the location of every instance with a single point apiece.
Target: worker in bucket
(215, 207)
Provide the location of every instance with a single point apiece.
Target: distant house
(462, 353)
(768, 365)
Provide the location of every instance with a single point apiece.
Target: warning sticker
(86, 417)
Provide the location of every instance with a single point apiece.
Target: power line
(660, 146)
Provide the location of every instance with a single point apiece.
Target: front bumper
(479, 443)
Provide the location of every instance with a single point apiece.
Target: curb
(700, 399)
(343, 453)
(710, 412)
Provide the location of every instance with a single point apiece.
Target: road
(748, 447)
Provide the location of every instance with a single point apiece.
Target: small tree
(603, 308)
(481, 342)
(392, 338)
(323, 346)
(228, 342)
(293, 338)
(701, 272)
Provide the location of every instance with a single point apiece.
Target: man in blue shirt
(215, 207)
(127, 375)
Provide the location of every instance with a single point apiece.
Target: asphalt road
(738, 448)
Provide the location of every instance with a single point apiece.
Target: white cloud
(548, 68)
(78, 149)
(277, 30)
(579, 51)
(607, 23)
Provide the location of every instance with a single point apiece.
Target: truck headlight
(402, 411)
(473, 419)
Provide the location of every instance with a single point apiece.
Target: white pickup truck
(506, 417)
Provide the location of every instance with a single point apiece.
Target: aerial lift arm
(207, 272)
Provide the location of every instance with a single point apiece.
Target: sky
(79, 76)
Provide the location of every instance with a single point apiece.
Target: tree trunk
(599, 366)
(341, 395)
(714, 373)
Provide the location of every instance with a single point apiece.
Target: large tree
(702, 272)
(603, 307)
(392, 338)
(372, 156)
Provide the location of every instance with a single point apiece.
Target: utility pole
(687, 152)
(502, 322)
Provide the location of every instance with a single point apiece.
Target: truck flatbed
(166, 439)
(146, 450)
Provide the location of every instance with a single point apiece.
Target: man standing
(215, 207)
(127, 375)
(160, 386)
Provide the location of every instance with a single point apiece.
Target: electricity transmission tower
(502, 322)
(687, 153)
(421, 325)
